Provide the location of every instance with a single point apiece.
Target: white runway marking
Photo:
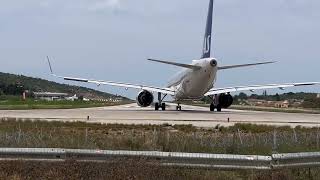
(197, 116)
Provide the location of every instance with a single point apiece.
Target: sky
(111, 39)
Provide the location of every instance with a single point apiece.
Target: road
(197, 116)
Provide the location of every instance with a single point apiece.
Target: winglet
(49, 63)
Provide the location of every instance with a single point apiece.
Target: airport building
(111, 99)
(50, 96)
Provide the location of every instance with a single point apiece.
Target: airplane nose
(213, 63)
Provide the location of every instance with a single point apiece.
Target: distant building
(111, 99)
(318, 95)
(277, 104)
(72, 98)
(50, 96)
(284, 104)
(256, 102)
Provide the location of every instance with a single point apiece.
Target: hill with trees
(11, 84)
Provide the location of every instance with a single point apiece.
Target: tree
(277, 97)
(311, 103)
(265, 94)
(254, 96)
(243, 96)
(14, 89)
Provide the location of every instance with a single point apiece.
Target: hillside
(11, 84)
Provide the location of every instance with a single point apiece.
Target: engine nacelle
(144, 98)
(225, 100)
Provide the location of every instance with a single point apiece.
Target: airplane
(195, 81)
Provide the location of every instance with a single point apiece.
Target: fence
(174, 159)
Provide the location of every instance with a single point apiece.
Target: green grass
(17, 104)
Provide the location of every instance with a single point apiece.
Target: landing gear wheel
(159, 104)
(163, 106)
(219, 109)
(156, 106)
(212, 107)
(179, 108)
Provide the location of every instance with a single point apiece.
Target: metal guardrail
(174, 159)
(296, 160)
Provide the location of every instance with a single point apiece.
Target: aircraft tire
(219, 108)
(156, 106)
(212, 107)
(163, 106)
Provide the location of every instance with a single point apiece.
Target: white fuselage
(193, 84)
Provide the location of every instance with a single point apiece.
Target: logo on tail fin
(207, 44)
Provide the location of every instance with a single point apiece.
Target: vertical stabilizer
(207, 38)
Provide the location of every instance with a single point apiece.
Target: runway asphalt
(197, 116)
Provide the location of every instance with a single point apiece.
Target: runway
(197, 116)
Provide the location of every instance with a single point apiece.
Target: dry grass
(135, 169)
(239, 139)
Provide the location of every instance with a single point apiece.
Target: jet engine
(144, 98)
(225, 100)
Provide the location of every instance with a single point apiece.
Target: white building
(50, 96)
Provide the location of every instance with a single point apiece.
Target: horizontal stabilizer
(177, 64)
(244, 65)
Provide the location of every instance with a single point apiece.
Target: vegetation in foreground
(136, 169)
(239, 139)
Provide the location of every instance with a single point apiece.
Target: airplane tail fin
(208, 33)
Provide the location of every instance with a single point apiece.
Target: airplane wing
(216, 91)
(117, 84)
(120, 84)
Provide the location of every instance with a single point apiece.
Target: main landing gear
(215, 104)
(160, 104)
(178, 108)
(213, 107)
